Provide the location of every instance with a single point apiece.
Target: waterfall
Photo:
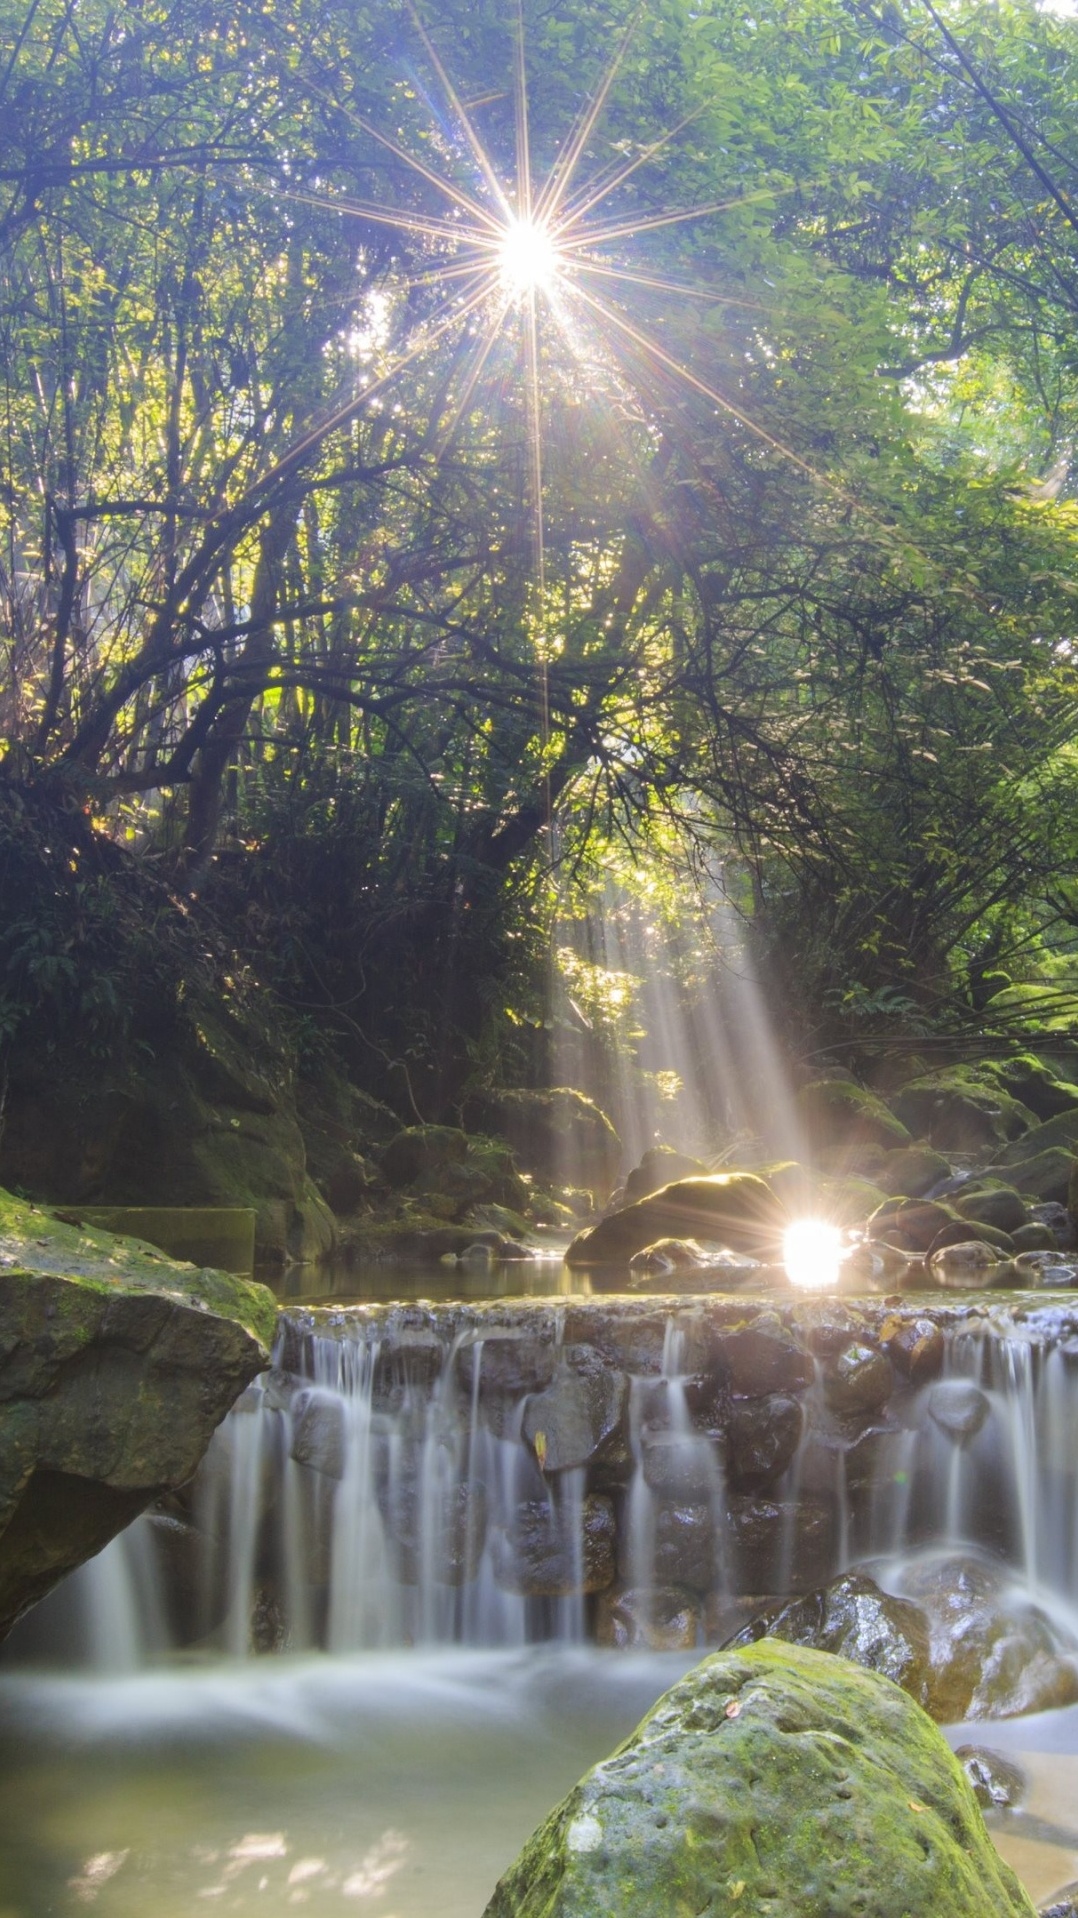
(384, 1484)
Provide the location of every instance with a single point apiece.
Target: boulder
(997, 1205)
(656, 1619)
(854, 1619)
(737, 1209)
(957, 1111)
(762, 1437)
(760, 1358)
(858, 1380)
(837, 1115)
(910, 1223)
(967, 1232)
(993, 1654)
(660, 1166)
(968, 1265)
(1033, 1082)
(915, 1346)
(911, 1171)
(770, 1779)
(558, 1135)
(682, 1550)
(116, 1365)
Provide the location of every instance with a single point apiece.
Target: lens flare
(527, 257)
(812, 1254)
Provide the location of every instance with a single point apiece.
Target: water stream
(373, 1515)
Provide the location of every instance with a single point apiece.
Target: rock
(999, 1206)
(683, 1547)
(911, 1171)
(737, 1209)
(910, 1223)
(456, 1532)
(680, 1464)
(957, 1112)
(660, 1166)
(116, 1365)
(858, 1380)
(1033, 1082)
(966, 1266)
(547, 1553)
(1063, 1905)
(959, 1408)
(968, 1232)
(770, 1779)
(581, 1410)
(997, 1783)
(318, 1433)
(423, 1151)
(769, 1543)
(562, 1138)
(655, 1619)
(854, 1619)
(505, 1364)
(836, 1114)
(993, 1655)
(760, 1358)
(1058, 1221)
(1034, 1238)
(762, 1436)
(916, 1347)
(668, 1255)
(1046, 1268)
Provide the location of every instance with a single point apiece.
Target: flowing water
(356, 1516)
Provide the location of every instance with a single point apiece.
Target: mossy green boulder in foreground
(773, 1780)
(116, 1365)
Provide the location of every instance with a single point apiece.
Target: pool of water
(393, 1785)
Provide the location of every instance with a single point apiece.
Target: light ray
(524, 165)
(478, 150)
(667, 286)
(598, 190)
(658, 353)
(486, 345)
(563, 170)
(427, 224)
(628, 229)
(451, 191)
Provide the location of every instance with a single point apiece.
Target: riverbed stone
(911, 1171)
(966, 1231)
(762, 1437)
(998, 1205)
(967, 1265)
(456, 1531)
(550, 1551)
(578, 1414)
(318, 1432)
(910, 1223)
(660, 1165)
(761, 1358)
(958, 1112)
(915, 1346)
(998, 1783)
(683, 1546)
(770, 1779)
(959, 1408)
(993, 1654)
(737, 1209)
(854, 1619)
(858, 1380)
(654, 1618)
(116, 1365)
(680, 1464)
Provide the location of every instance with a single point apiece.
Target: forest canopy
(387, 600)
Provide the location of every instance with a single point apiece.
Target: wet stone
(854, 1619)
(965, 1266)
(998, 1783)
(1064, 1904)
(506, 1364)
(449, 1533)
(652, 1618)
(912, 1224)
(1047, 1269)
(768, 1544)
(762, 1438)
(552, 1553)
(959, 1408)
(858, 1381)
(683, 1547)
(915, 1347)
(577, 1415)
(679, 1462)
(412, 1363)
(319, 1433)
(762, 1358)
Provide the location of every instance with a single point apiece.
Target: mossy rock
(558, 1134)
(116, 1365)
(957, 1110)
(1042, 1176)
(1035, 1083)
(737, 1209)
(838, 1115)
(911, 1171)
(995, 1204)
(659, 1166)
(770, 1779)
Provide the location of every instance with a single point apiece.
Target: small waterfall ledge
(637, 1471)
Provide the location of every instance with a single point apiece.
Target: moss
(34, 1241)
(771, 1779)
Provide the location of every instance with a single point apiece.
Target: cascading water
(386, 1486)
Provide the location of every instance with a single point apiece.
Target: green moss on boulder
(116, 1365)
(838, 1114)
(737, 1209)
(770, 1780)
